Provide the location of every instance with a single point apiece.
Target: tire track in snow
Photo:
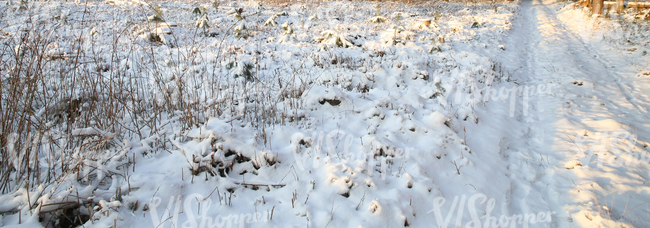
(594, 55)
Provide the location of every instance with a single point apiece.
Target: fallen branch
(258, 185)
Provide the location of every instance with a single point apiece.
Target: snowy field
(322, 114)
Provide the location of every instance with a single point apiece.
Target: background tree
(597, 6)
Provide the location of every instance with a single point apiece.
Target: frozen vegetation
(322, 114)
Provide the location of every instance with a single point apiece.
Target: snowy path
(597, 107)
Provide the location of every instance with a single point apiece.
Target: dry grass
(72, 101)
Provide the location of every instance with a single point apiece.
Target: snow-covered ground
(585, 147)
(327, 114)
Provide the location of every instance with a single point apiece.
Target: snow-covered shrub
(241, 31)
(203, 23)
(271, 21)
(397, 35)
(157, 9)
(332, 37)
(237, 13)
(313, 18)
(245, 70)
(215, 4)
(436, 15)
(439, 89)
(260, 7)
(378, 19)
(22, 6)
(154, 38)
(155, 18)
(435, 48)
(288, 35)
(197, 12)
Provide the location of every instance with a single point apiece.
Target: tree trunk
(620, 6)
(597, 7)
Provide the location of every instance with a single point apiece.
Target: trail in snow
(595, 109)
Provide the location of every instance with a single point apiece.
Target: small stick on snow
(272, 209)
(234, 118)
(361, 201)
(457, 168)
(216, 188)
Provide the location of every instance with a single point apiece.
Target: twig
(360, 201)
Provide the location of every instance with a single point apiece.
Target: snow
(597, 107)
(345, 114)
